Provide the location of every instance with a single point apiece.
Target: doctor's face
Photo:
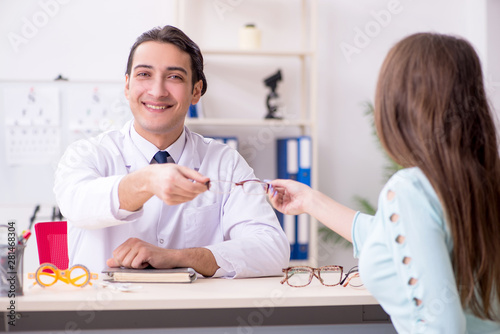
(160, 90)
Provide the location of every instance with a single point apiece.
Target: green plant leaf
(365, 206)
(329, 236)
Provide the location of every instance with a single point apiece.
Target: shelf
(266, 53)
(247, 122)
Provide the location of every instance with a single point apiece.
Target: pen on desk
(23, 238)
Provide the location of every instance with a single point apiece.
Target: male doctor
(138, 197)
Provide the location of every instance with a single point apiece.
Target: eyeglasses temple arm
(344, 284)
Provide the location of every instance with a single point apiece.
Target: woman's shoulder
(413, 189)
(411, 179)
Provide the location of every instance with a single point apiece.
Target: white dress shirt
(241, 230)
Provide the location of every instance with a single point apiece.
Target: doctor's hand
(138, 254)
(172, 183)
(175, 184)
(289, 197)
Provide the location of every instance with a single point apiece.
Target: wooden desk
(204, 303)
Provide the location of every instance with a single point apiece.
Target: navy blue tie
(161, 157)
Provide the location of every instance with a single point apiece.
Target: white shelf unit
(248, 122)
(306, 121)
(267, 53)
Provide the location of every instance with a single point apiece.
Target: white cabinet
(235, 101)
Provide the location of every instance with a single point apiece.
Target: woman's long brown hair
(431, 111)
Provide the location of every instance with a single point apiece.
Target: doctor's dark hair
(175, 36)
(431, 112)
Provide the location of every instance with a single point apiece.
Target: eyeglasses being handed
(250, 187)
(301, 276)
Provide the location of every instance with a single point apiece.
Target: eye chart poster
(96, 108)
(32, 121)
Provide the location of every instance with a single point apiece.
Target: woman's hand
(294, 198)
(289, 197)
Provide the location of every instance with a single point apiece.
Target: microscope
(272, 101)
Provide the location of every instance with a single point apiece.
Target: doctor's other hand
(289, 197)
(138, 254)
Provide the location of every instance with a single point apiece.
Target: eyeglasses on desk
(301, 276)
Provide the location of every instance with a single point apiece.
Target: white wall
(89, 40)
(493, 53)
(84, 40)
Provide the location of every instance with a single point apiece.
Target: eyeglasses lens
(299, 276)
(78, 276)
(355, 281)
(254, 187)
(48, 275)
(330, 276)
(219, 187)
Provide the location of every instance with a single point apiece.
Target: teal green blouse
(405, 259)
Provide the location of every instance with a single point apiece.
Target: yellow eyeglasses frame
(48, 274)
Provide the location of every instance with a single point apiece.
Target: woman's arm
(293, 198)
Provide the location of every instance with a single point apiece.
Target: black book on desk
(150, 275)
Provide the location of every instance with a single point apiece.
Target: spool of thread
(249, 37)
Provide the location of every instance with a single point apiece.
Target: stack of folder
(294, 162)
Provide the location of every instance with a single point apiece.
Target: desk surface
(211, 302)
(202, 294)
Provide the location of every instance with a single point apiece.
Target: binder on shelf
(302, 240)
(195, 110)
(287, 168)
(294, 162)
(304, 160)
(289, 226)
(288, 158)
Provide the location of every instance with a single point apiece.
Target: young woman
(431, 254)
